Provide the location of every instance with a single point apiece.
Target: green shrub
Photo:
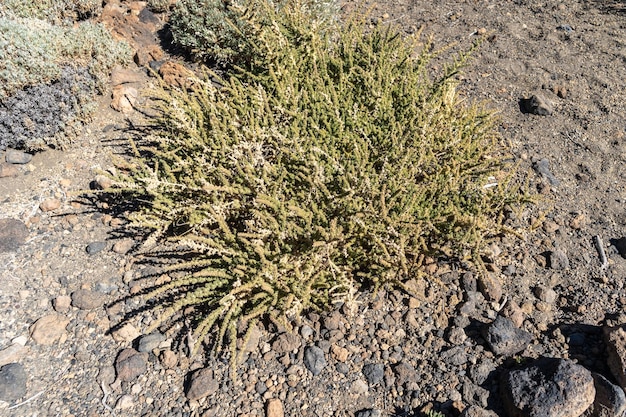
(334, 170)
(220, 30)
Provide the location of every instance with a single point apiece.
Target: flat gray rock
(12, 382)
(314, 359)
(547, 387)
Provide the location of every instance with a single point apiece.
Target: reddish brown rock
(176, 75)
(130, 364)
(202, 383)
(274, 408)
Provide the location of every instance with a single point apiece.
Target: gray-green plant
(53, 11)
(33, 51)
(221, 31)
(334, 167)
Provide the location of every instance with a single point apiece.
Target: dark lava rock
(372, 412)
(537, 104)
(547, 387)
(202, 383)
(373, 372)
(504, 338)
(13, 234)
(130, 364)
(610, 399)
(314, 359)
(12, 382)
(95, 247)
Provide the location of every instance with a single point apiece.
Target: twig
(27, 401)
(597, 241)
(106, 392)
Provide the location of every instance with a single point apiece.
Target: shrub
(333, 170)
(220, 30)
(33, 54)
(53, 11)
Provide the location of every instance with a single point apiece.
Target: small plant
(53, 11)
(56, 69)
(221, 31)
(335, 167)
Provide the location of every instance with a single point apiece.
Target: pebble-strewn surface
(543, 333)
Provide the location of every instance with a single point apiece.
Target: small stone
(150, 342)
(17, 157)
(610, 400)
(490, 286)
(168, 359)
(125, 402)
(286, 342)
(504, 338)
(314, 359)
(455, 356)
(342, 368)
(12, 382)
(548, 387)
(50, 204)
(405, 373)
(62, 303)
(359, 387)
(542, 167)
(537, 104)
(126, 333)
(615, 339)
(476, 411)
(87, 299)
(49, 329)
(124, 98)
(202, 383)
(339, 353)
(130, 364)
(13, 234)
(558, 260)
(306, 332)
(101, 182)
(545, 294)
(7, 170)
(13, 353)
(95, 247)
(260, 387)
(578, 222)
(274, 408)
(373, 372)
(372, 412)
(513, 312)
(123, 246)
(334, 321)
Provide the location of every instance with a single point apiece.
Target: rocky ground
(543, 334)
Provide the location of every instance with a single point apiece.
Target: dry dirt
(572, 53)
